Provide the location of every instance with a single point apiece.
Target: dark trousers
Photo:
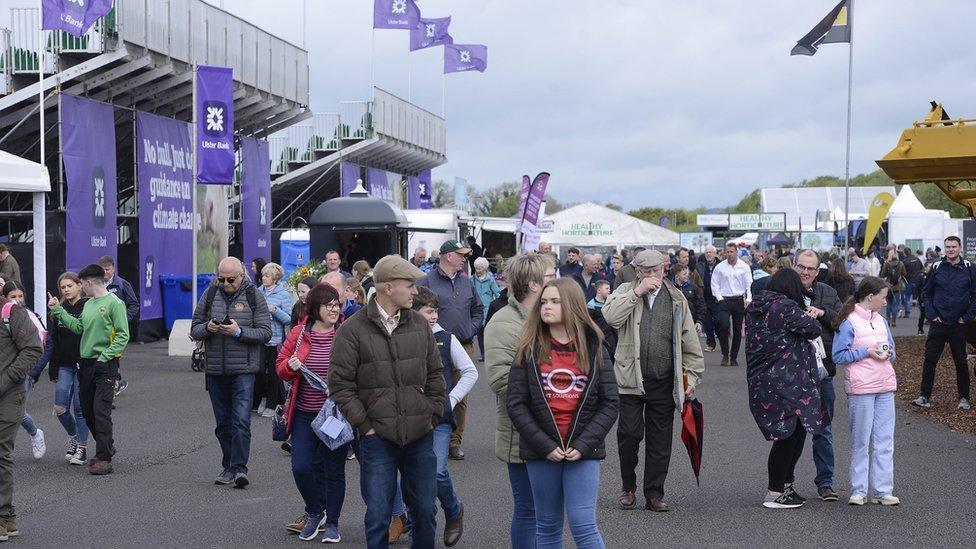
(320, 473)
(649, 417)
(783, 457)
(379, 462)
(11, 411)
(96, 388)
(230, 397)
(823, 442)
(731, 312)
(709, 322)
(267, 384)
(939, 335)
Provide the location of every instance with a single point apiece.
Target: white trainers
(80, 457)
(888, 500)
(268, 412)
(963, 404)
(922, 402)
(857, 500)
(38, 448)
(262, 407)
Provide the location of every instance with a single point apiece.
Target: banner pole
(193, 186)
(372, 62)
(443, 96)
(850, 92)
(40, 237)
(409, 78)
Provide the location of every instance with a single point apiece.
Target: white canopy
(906, 202)
(21, 175)
(590, 224)
(909, 220)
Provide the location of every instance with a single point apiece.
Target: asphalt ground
(162, 492)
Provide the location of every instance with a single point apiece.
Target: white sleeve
(716, 282)
(469, 373)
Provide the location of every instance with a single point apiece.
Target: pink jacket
(863, 330)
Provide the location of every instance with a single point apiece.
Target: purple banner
(215, 125)
(419, 192)
(524, 195)
(88, 149)
(426, 188)
(73, 16)
(465, 57)
(382, 184)
(349, 173)
(164, 150)
(536, 195)
(256, 200)
(395, 14)
(430, 33)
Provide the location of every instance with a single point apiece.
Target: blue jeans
(26, 420)
(379, 462)
(523, 507)
(570, 488)
(320, 473)
(445, 488)
(823, 442)
(872, 443)
(894, 303)
(231, 397)
(907, 291)
(67, 403)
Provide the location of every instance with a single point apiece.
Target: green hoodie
(103, 326)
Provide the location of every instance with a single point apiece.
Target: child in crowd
(14, 291)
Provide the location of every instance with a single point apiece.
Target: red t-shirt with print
(563, 384)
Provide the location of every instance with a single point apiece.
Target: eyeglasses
(226, 279)
(333, 306)
(806, 269)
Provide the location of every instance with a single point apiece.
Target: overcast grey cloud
(669, 103)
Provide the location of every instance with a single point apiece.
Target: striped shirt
(309, 399)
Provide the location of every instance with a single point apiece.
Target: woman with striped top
(319, 472)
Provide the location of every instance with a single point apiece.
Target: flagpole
(850, 93)
(409, 78)
(372, 61)
(193, 186)
(40, 259)
(443, 96)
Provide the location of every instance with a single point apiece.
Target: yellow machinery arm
(937, 150)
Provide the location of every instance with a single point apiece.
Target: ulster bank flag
(834, 28)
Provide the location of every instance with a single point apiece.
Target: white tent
(909, 220)
(590, 224)
(20, 175)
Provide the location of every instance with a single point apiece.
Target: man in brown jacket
(386, 377)
(20, 347)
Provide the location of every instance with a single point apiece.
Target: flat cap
(394, 267)
(648, 258)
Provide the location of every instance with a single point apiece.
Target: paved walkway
(162, 492)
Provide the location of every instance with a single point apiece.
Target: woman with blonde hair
(269, 391)
(562, 399)
(362, 272)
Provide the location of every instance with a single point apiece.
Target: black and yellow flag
(834, 28)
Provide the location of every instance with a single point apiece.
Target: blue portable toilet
(294, 250)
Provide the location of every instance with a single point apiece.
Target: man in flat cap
(658, 363)
(387, 379)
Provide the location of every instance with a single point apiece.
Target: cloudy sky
(649, 102)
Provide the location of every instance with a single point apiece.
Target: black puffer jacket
(228, 355)
(593, 419)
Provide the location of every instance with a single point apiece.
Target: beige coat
(501, 335)
(623, 311)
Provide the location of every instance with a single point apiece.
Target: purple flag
(164, 150)
(256, 212)
(430, 33)
(413, 193)
(665, 221)
(349, 173)
(465, 57)
(395, 14)
(88, 149)
(73, 16)
(215, 125)
(536, 194)
(426, 190)
(524, 195)
(382, 183)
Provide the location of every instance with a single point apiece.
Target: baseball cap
(454, 246)
(648, 258)
(394, 267)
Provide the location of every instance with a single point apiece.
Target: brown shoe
(100, 468)
(397, 528)
(657, 505)
(627, 500)
(453, 530)
(725, 361)
(297, 525)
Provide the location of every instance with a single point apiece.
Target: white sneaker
(888, 500)
(922, 402)
(262, 407)
(38, 448)
(963, 404)
(857, 500)
(268, 412)
(80, 456)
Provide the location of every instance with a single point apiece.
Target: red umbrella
(693, 433)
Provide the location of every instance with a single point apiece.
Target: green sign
(757, 222)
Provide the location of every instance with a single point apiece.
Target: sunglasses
(226, 279)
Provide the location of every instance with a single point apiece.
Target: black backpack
(211, 294)
(892, 273)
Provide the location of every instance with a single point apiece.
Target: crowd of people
(375, 363)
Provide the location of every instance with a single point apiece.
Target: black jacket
(532, 418)
(610, 336)
(950, 292)
(121, 288)
(913, 268)
(589, 290)
(705, 268)
(65, 344)
(696, 300)
(825, 297)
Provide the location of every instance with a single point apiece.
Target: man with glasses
(232, 318)
(658, 363)
(822, 304)
(731, 282)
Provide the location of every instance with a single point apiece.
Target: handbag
(331, 427)
(279, 425)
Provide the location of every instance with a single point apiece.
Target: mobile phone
(226, 321)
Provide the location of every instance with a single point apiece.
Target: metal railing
(5, 66)
(326, 131)
(300, 144)
(94, 41)
(397, 118)
(278, 151)
(355, 119)
(24, 42)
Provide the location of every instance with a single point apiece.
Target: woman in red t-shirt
(319, 472)
(562, 399)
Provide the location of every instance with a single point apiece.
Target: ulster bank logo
(215, 113)
(98, 197)
(150, 263)
(263, 213)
